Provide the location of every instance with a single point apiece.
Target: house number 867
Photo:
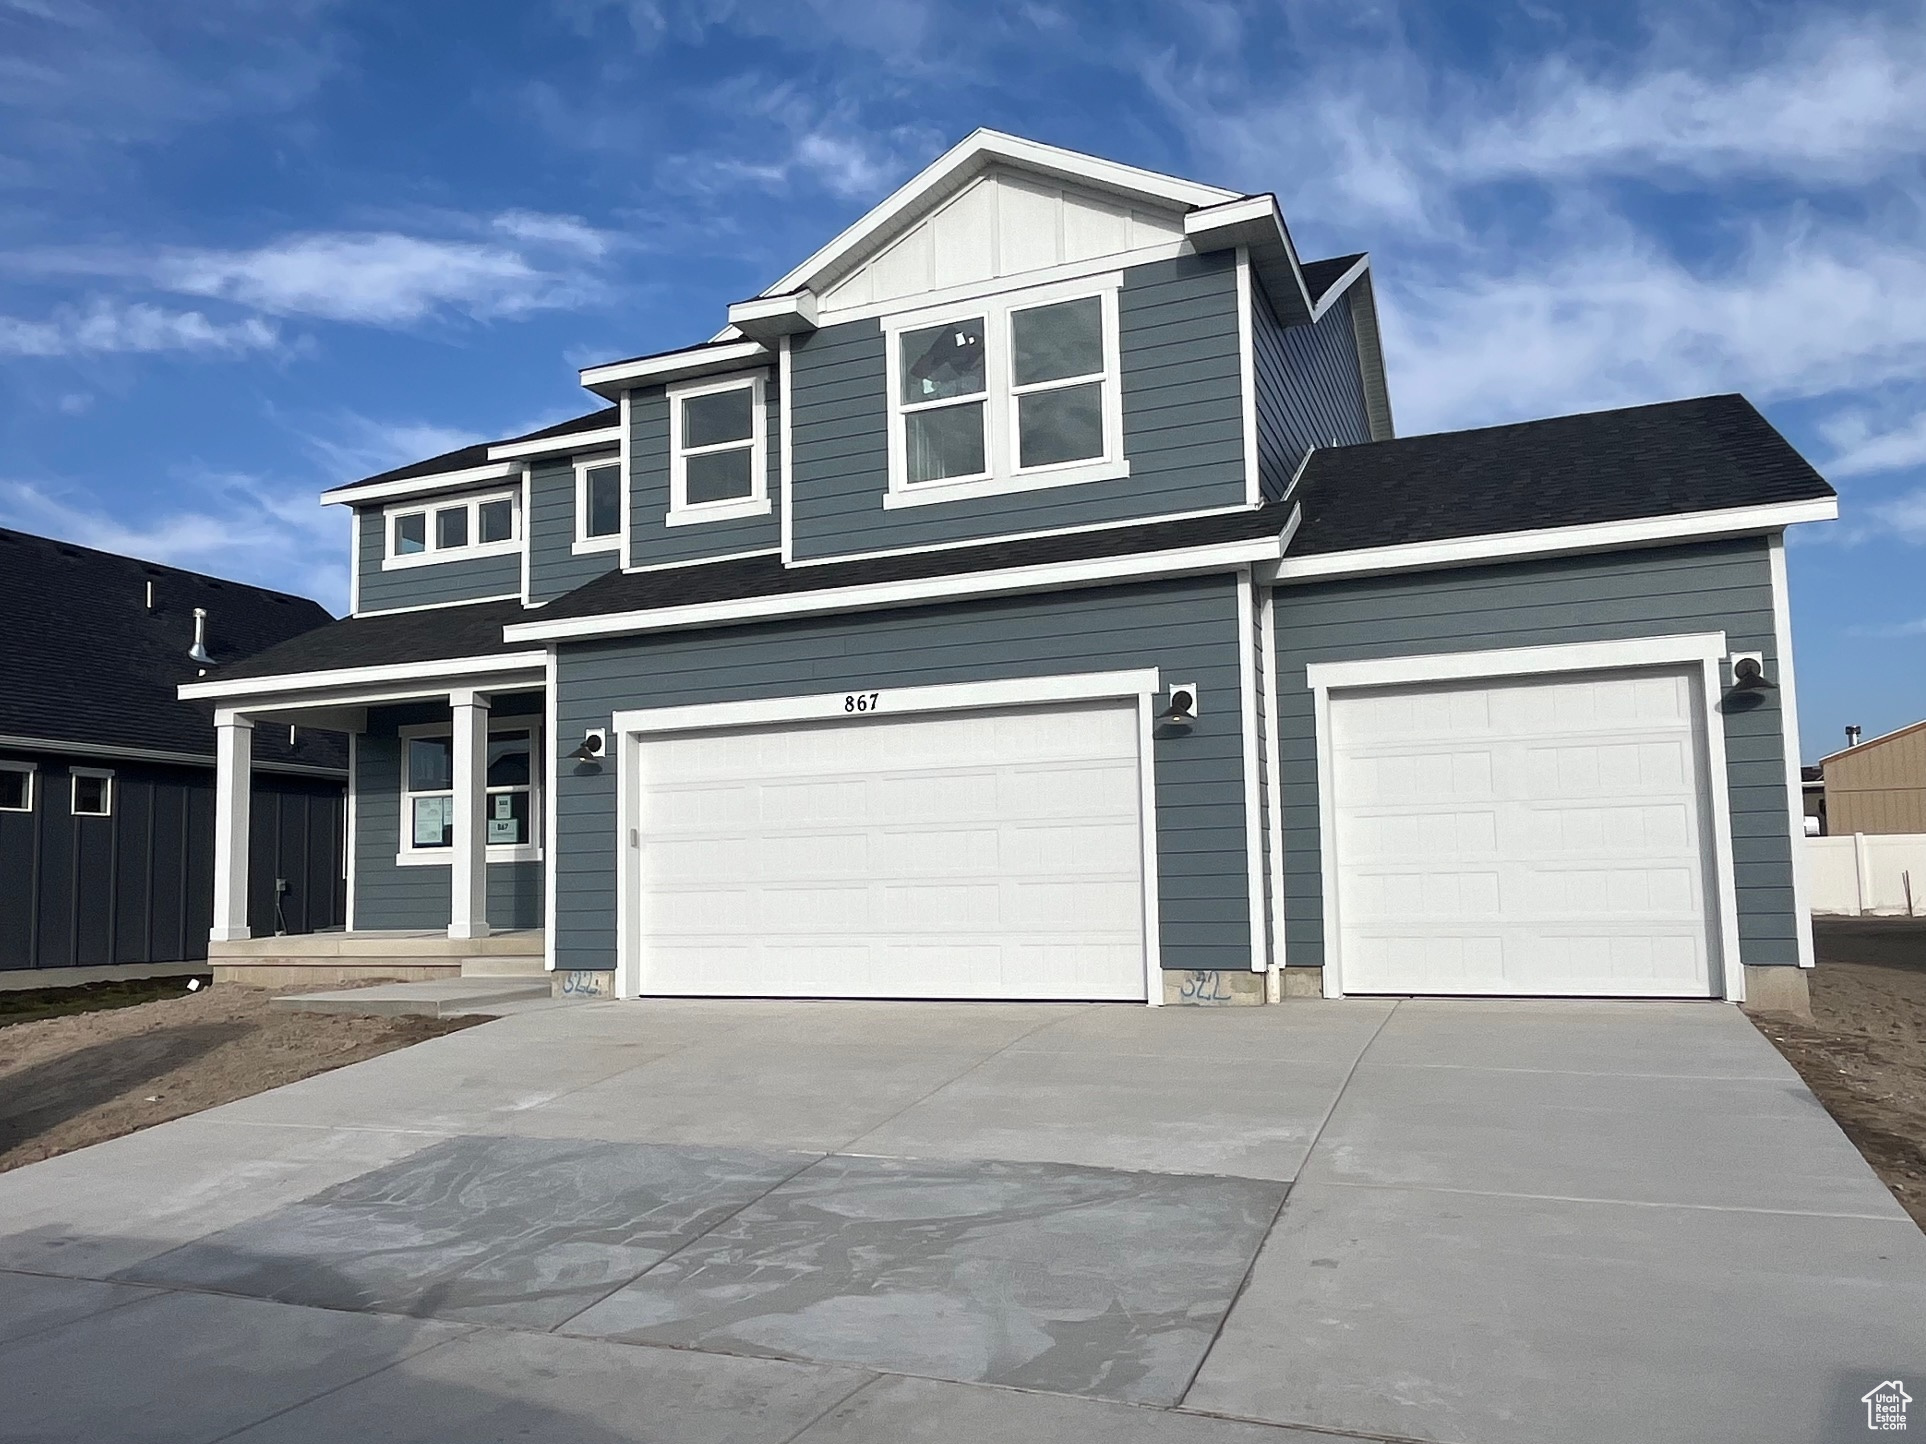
(860, 702)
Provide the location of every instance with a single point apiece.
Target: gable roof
(433, 634)
(1707, 454)
(476, 458)
(88, 664)
(1859, 747)
(963, 162)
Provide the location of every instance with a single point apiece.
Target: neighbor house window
(598, 505)
(16, 786)
(718, 451)
(93, 793)
(428, 792)
(1006, 393)
(446, 531)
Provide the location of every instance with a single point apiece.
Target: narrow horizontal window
(470, 526)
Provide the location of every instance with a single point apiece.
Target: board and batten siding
(434, 583)
(654, 543)
(1713, 586)
(1309, 390)
(1186, 628)
(1182, 426)
(388, 894)
(554, 567)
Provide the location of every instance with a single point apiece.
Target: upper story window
(1006, 393)
(420, 533)
(598, 505)
(16, 786)
(718, 450)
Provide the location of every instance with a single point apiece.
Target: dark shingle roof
(83, 661)
(764, 576)
(432, 635)
(1706, 454)
(1320, 275)
(463, 457)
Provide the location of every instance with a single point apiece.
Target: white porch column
(233, 790)
(468, 877)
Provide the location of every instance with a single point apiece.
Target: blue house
(1027, 597)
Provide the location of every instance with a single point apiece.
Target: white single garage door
(980, 854)
(1524, 836)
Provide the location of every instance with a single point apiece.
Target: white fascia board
(1516, 661)
(1255, 223)
(399, 672)
(705, 360)
(419, 485)
(973, 154)
(557, 445)
(1331, 294)
(1100, 571)
(769, 318)
(150, 754)
(1555, 541)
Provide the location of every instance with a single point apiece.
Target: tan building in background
(1877, 786)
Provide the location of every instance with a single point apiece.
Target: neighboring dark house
(1027, 597)
(107, 776)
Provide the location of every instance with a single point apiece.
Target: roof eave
(711, 358)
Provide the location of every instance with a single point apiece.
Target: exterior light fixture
(1748, 674)
(1182, 708)
(591, 747)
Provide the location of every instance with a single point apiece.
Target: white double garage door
(1512, 836)
(990, 853)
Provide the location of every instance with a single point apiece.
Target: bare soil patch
(1864, 1051)
(69, 1081)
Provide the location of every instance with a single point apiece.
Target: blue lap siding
(1186, 628)
(554, 567)
(1309, 390)
(434, 584)
(1715, 586)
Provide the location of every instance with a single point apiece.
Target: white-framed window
(512, 809)
(421, 533)
(1005, 393)
(16, 786)
(718, 450)
(598, 504)
(93, 794)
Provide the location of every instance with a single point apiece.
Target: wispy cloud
(105, 327)
(1865, 449)
(350, 446)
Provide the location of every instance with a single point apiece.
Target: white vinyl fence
(1868, 873)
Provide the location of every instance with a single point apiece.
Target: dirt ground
(1864, 1051)
(66, 1082)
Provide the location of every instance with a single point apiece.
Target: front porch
(318, 960)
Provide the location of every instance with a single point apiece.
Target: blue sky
(251, 248)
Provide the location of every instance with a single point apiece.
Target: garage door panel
(1572, 862)
(984, 854)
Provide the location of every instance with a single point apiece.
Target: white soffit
(1003, 223)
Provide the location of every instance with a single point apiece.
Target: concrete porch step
(440, 998)
(421, 947)
(505, 965)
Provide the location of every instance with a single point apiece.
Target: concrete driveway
(832, 1223)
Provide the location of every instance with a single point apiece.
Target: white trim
(1003, 537)
(402, 672)
(1274, 784)
(683, 512)
(948, 296)
(1337, 288)
(1789, 735)
(353, 837)
(441, 606)
(1186, 561)
(633, 726)
(412, 486)
(354, 562)
(528, 504)
(1001, 396)
(1247, 377)
(625, 452)
(103, 775)
(30, 771)
(786, 466)
(151, 754)
(434, 554)
(552, 445)
(691, 361)
(580, 542)
(551, 764)
(408, 855)
(1247, 724)
(1703, 649)
(1552, 541)
(977, 152)
(704, 561)
(769, 318)
(1298, 475)
(1255, 223)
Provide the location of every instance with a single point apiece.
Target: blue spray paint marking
(1203, 987)
(584, 985)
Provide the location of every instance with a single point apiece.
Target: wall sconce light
(1181, 711)
(594, 743)
(1748, 673)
